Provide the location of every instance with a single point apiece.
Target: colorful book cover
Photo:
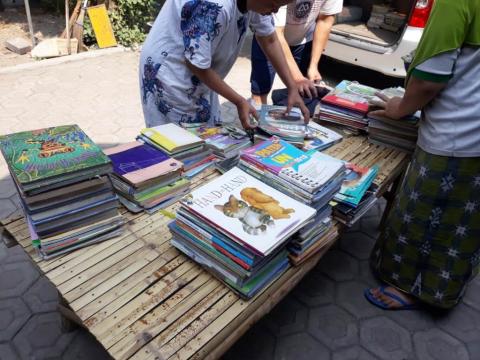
(358, 180)
(172, 137)
(137, 162)
(42, 154)
(320, 137)
(250, 212)
(275, 121)
(351, 95)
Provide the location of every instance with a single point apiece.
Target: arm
(418, 94)
(273, 50)
(210, 78)
(320, 37)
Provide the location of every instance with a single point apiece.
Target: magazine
(320, 137)
(352, 95)
(356, 184)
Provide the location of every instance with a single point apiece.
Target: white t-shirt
(209, 34)
(300, 16)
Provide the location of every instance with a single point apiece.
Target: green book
(45, 156)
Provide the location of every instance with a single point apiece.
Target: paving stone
(288, 317)
(412, 320)
(386, 339)
(315, 289)
(350, 296)
(300, 347)
(7, 352)
(11, 255)
(42, 338)
(7, 188)
(462, 322)
(16, 278)
(435, 344)
(85, 347)
(370, 225)
(339, 266)
(257, 343)
(474, 349)
(7, 208)
(472, 295)
(353, 353)
(13, 315)
(357, 244)
(42, 296)
(366, 275)
(333, 326)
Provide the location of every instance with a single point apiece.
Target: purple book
(137, 162)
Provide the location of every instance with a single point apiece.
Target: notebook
(172, 137)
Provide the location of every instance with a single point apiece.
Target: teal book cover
(45, 153)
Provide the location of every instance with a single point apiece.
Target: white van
(376, 48)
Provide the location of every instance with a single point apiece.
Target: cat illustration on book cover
(255, 210)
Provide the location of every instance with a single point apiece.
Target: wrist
(237, 100)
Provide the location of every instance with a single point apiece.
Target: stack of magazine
(145, 177)
(399, 134)
(310, 177)
(237, 227)
(348, 214)
(62, 179)
(180, 144)
(273, 121)
(347, 105)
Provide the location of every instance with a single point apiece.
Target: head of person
(266, 7)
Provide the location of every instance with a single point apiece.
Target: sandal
(404, 305)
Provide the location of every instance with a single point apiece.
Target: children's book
(320, 137)
(248, 211)
(172, 137)
(358, 180)
(351, 95)
(136, 162)
(44, 156)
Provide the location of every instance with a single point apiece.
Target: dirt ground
(13, 23)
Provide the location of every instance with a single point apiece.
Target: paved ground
(325, 317)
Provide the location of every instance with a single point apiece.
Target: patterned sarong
(430, 247)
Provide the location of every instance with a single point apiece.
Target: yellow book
(172, 137)
(101, 26)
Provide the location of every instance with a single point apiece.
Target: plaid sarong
(430, 247)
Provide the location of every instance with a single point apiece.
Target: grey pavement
(324, 317)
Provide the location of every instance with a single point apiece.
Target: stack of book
(377, 16)
(320, 137)
(399, 134)
(62, 179)
(180, 144)
(146, 178)
(347, 105)
(348, 214)
(274, 121)
(238, 228)
(310, 177)
(225, 142)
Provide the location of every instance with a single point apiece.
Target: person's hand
(245, 111)
(392, 108)
(294, 99)
(314, 75)
(306, 88)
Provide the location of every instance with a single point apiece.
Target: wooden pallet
(142, 299)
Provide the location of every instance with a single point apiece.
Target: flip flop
(404, 305)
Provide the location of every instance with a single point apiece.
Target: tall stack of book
(225, 142)
(145, 177)
(274, 121)
(62, 179)
(180, 144)
(357, 194)
(237, 228)
(310, 177)
(347, 105)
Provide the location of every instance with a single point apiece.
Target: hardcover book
(172, 137)
(136, 162)
(40, 155)
(250, 212)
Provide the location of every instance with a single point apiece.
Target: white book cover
(249, 211)
(171, 136)
(320, 137)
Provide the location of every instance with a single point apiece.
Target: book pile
(310, 177)
(347, 105)
(382, 16)
(319, 137)
(237, 228)
(357, 194)
(145, 177)
(225, 142)
(62, 179)
(180, 144)
(291, 127)
(377, 16)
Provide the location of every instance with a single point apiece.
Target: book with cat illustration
(47, 156)
(248, 211)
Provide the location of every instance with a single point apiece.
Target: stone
(13, 315)
(412, 320)
(16, 278)
(386, 339)
(7, 352)
(339, 266)
(12, 254)
(350, 296)
(435, 344)
(357, 244)
(288, 317)
(462, 322)
(256, 344)
(18, 45)
(333, 326)
(42, 338)
(300, 347)
(85, 347)
(353, 353)
(473, 294)
(42, 296)
(315, 289)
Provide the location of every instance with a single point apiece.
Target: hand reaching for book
(295, 100)
(245, 112)
(391, 107)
